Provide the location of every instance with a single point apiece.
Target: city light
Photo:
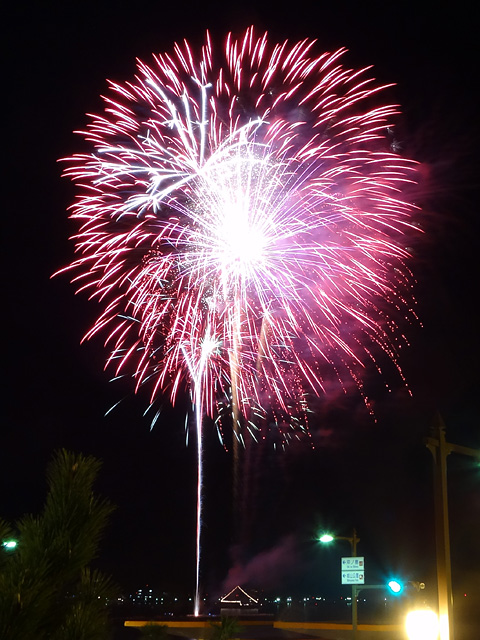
(9, 544)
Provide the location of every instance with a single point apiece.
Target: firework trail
(242, 224)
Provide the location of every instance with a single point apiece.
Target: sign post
(353, 572)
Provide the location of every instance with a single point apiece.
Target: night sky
(371, 474)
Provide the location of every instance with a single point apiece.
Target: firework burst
(242, 225)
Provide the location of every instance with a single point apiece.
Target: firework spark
(243, 226)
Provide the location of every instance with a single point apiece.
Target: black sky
(372, 475)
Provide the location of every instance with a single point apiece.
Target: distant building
(238, 602)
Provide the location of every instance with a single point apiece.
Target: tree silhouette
(47, 588)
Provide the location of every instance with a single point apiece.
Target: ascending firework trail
(242, 225)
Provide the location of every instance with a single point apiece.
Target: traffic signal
(395, 586)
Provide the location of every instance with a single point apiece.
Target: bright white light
(326, 538)
(444, 627)
(395, 586)
(422, 624)
(209, 345)
(243, 239)
(10, 544)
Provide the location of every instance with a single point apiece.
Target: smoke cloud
(267, 568)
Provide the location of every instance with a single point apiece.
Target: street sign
(353, 577)
(355, 563)
(353, 570)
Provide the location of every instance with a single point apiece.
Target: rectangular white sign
(356, 563)
(353, 577)
(353, 570)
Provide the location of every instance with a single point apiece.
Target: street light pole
(440, 449)
(444, 570)
(353, 540)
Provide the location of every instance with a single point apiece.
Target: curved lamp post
(353, 540)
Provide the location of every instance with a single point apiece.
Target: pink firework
(242, 225)
(242, 222)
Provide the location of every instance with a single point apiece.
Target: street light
(353, 540)
(326, 538)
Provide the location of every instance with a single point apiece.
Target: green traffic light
(395, 586)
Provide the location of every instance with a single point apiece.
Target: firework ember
(242, 225)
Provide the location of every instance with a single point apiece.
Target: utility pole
(440, 449)
(354, 541)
